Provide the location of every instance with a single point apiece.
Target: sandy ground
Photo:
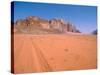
(43, 53)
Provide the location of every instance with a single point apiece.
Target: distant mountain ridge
(95, 32)
(33, 24)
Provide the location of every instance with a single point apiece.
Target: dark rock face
(33, 24)
(94, 32)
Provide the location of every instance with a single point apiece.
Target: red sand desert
(54, 52)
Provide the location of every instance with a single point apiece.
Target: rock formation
(33, 24)
(94, 32)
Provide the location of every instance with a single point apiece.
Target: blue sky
(83, 17)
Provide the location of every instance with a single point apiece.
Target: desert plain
(54, 52)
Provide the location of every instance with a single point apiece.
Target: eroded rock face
(56, 24)
(35, 24)
(94, 32)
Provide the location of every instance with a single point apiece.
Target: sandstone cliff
(94, 32)
(33, 24)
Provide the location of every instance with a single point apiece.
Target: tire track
(19, 52)
(32, 59)
(44, 64)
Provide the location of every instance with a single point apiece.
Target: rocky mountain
(33, 24)
(94, 32)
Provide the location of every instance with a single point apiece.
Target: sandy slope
(40, 53)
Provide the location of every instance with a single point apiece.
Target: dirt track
(41, 53)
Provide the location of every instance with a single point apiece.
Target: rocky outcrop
(94, 32)
(33, 24)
